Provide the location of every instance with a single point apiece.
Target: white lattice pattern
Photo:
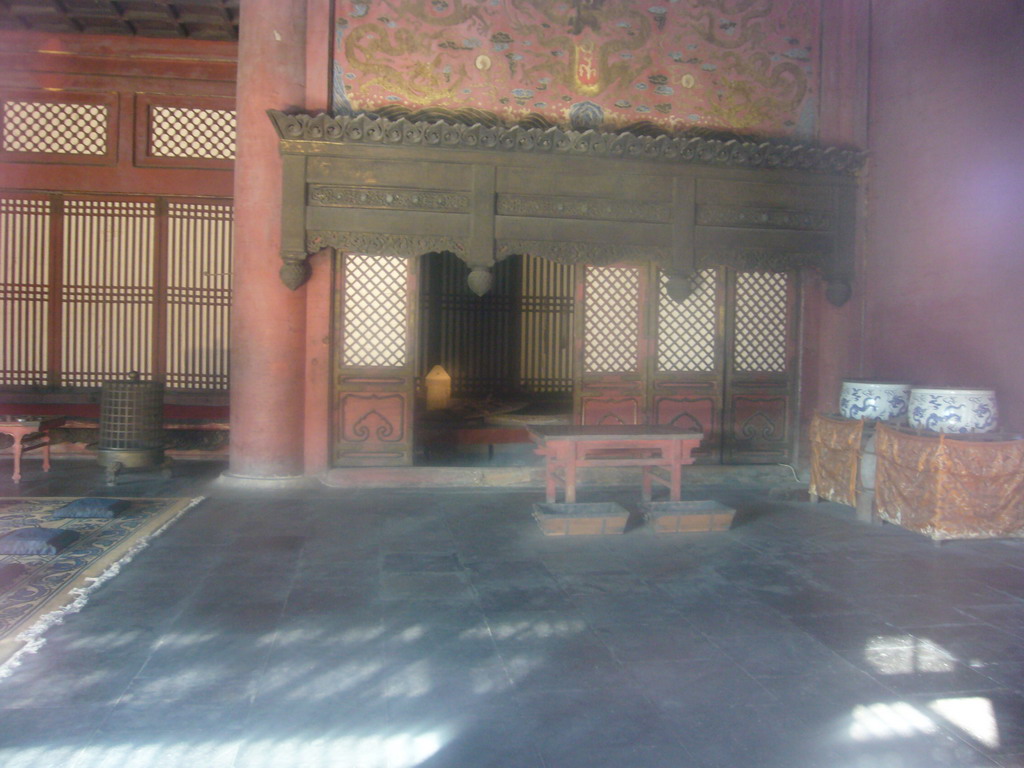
(108, 290)
(192, 133)
(24, 290)
(375, 325)
(68, 129)
(686, 330)
(611, 328)
(199, 237)
(761, 320)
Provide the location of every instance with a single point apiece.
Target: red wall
(945, 250)
(128, 71)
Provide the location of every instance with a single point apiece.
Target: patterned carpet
(36, 591)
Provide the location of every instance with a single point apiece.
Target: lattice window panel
(761, 321)
(546, 309)
(687, 330)
(611, 322)
(24, 290)
(192, 133)
(198, 294)
(69, 129)
(108, 292)
(375, 299)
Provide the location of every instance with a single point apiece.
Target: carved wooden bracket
(295, 271)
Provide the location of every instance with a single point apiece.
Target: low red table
(567, 448)
(29, 433)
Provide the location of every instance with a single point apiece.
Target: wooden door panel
(612, 346)
(598, 409)
(761, 367)
(698, 408)
(687, 377)
(374, 385)
(758, 426)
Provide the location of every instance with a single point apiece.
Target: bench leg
(549, 483)
(16, 477)
(647, 486)
(570, 481)
(676, 457)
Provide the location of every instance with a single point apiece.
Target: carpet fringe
(33, 636)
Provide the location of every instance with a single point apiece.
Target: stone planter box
(688, 516)
(593, 519)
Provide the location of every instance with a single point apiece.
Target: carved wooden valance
(373, 185)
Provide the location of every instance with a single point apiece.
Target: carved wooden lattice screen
(198, 294)
(24, 290)
(473, 337)
(687, 330)
(189, 132)
(55, 128)
(108, 290)
(612, 378)
(546, 316)
(761, 367)
(375, 369)
(97, 287)
(688, 377)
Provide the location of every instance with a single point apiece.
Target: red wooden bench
(661, 451)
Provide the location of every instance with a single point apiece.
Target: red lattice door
(374, 385)
(761, 367)
(725, 364)
(612, 345)
(687, 378)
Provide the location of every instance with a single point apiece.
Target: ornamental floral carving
(768, 218)
(581, 208)
(375, 243)
(595, 254)
(759, 260)
(387, 198)
(740, 153)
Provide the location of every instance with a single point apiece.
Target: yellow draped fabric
(948, 487)
(835, 458)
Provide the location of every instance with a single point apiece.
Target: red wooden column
(268, 319)
(832, 336)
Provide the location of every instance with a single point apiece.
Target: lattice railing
(611, 321)
(375, 326)
(761, 322)
(687, 330)
(63, 128)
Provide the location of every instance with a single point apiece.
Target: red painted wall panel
(124, 67)
(946, 187)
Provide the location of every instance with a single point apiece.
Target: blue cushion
(36, 541)
(89, 507)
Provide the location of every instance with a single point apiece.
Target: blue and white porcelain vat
(874, 400)
(953, 410)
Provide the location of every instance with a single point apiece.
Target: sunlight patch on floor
(535, 629)
(402, 750)
(889, 720)
(973, 715)
(906, 655)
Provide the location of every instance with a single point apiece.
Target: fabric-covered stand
(835, 458)
(950, 486)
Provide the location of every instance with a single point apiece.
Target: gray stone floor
(395, 629)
